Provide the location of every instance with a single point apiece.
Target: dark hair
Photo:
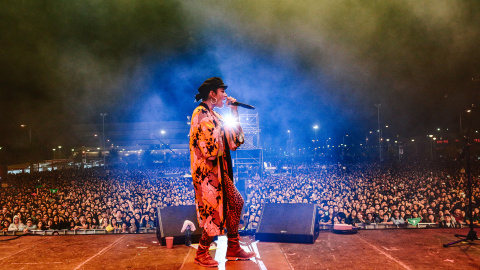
(204, 94)
(210, 84)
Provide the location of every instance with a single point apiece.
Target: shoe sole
(237, 258)
(205, 265)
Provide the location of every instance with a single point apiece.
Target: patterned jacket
(210, 142)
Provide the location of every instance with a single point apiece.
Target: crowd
(125, 199)
(366, 194)
(117, 200)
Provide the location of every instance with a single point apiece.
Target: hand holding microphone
(231, 103)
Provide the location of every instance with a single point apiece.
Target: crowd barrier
(381, 226)
(72, 232)
(372, 226)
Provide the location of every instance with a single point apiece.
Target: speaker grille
(293, 223)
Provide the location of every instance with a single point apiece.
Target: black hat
(208, 85)
(212, 83)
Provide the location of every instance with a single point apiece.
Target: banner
(413, 221)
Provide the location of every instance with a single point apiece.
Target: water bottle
(188, 236)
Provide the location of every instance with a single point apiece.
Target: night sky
(299, 62)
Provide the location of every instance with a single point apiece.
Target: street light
(467, 111)
(379, 132)
(431, 145)
(29, 132)
(288, 142)
(315, 128)
(29, 145)
(103, 137)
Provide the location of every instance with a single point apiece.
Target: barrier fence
(372, 226)
(72, 232)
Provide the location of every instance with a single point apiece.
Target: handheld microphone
(243, 105)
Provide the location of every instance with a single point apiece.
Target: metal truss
(251, 129)
(249, 156)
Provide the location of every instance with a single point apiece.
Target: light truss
(249, 156)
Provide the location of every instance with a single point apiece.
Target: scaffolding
(248, 158)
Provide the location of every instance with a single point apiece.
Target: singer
(218, 202)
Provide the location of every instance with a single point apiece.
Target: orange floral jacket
(210, 142)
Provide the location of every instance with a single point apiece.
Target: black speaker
(290, 223)
(169, 222)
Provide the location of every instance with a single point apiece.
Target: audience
(124, 199)
(91, 199)
(390, 194)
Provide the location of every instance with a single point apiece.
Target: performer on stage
(219, 204)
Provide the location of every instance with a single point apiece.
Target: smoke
(66, 62)
(414, 58)
(299, 62)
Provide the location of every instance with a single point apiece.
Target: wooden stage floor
(369, 249)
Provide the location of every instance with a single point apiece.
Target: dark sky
(299, 62)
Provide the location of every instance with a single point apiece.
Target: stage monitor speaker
(169, 222)
(288, 222)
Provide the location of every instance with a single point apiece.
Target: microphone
(243, 105)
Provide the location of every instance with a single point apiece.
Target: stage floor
(369, 249)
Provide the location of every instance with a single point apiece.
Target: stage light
(230, 120)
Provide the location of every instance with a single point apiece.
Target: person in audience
(370, 219)
(104, 224)
(82, 224)
(16, 225)
(476, 219)
(458, 216)
(133, 226)
(6, 225)
(396, 219)
(114, 224)
(358, 220)
(40, 226)
(124, 228)
(29, 226)
(448, 222)
(386, 219)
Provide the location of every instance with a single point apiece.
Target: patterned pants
(234, 210)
